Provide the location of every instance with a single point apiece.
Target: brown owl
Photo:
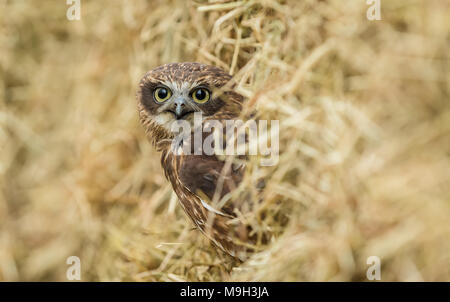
(175, 92)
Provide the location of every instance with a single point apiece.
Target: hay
(365, 129)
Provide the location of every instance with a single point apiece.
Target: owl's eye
(200, 95)
(162, 94)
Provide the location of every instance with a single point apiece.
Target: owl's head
(176, 91)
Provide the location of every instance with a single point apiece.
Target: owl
(176, 92)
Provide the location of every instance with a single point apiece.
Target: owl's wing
(206, 176)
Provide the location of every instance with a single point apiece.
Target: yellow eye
(200, 95)
(162, 94)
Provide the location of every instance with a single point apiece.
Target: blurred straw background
(364, 136)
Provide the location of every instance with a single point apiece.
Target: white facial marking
(164, 119)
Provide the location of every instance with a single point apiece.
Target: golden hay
(364, 136)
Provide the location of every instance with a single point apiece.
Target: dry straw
(365, 129)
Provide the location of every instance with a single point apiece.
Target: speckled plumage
(195, 178)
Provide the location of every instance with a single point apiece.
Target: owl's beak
(181, 109)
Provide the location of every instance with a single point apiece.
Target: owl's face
(176, 91)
